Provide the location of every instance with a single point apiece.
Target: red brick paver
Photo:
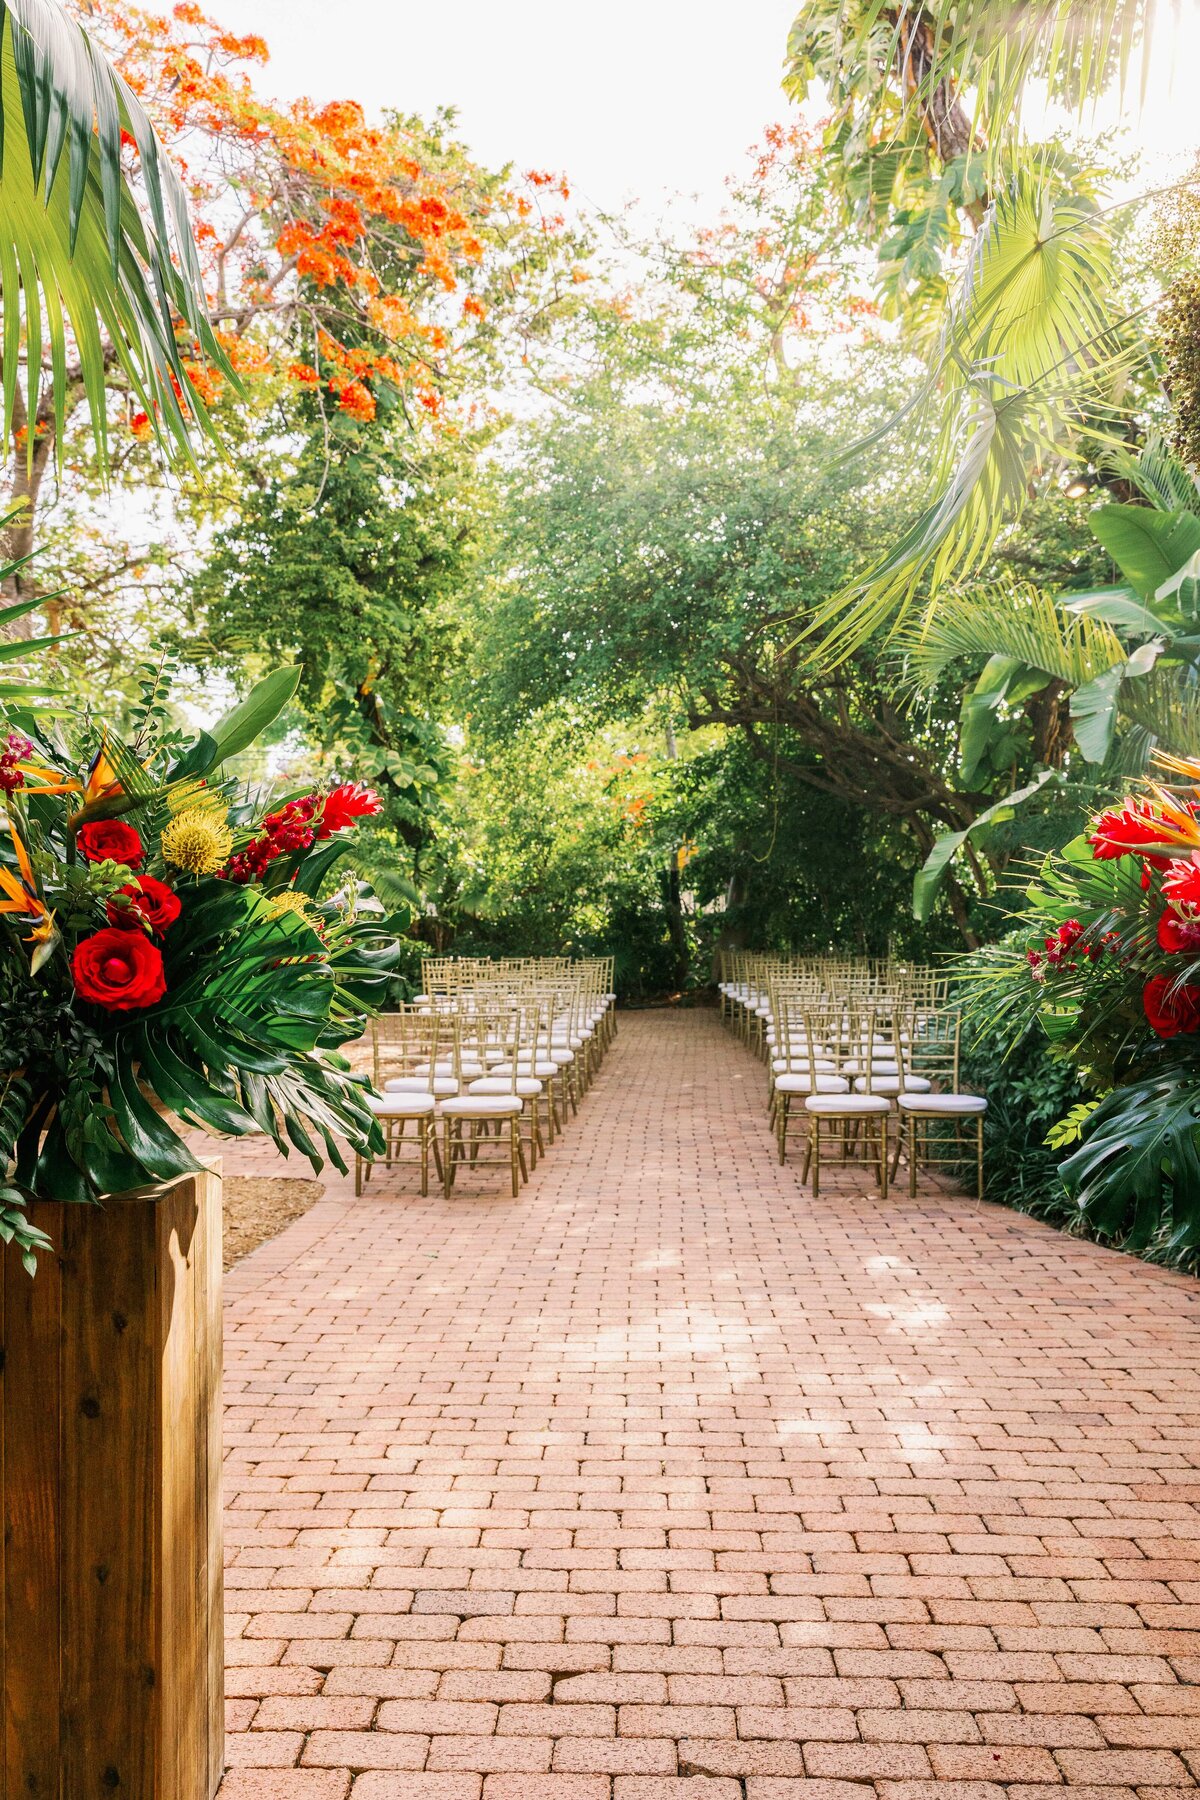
(665, 1480)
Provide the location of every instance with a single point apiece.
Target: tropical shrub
(1113, 978)
(1031, 1087)
(169, 957)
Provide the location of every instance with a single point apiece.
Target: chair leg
(979, 1157)
(783, 1125)
(358, 1173)
(447, 1159)
(423, 1128)
(883, 1157)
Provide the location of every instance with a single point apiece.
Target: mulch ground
(257, 1207)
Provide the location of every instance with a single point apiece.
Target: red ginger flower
(122, 971)
(1176, 933)
(1122, 832)
(284, 832)
(344, 804)
(1182, 884)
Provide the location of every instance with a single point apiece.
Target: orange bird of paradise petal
(23, 863)
(102, 777)
(47, 781)
(17, 897)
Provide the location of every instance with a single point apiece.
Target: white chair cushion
(526, 1086)
(401, 1106)
(440, 1085)
(945, 1104)
(893, 1084)
(847, 1105)
(798, 1065)
(543, 1070)
(802, 1084)
(483, 1106)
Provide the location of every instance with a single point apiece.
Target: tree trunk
(25, 486)
(676, 929)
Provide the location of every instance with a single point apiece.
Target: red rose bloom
(118, 970)
(346, 803)
(109, 840)
(1169, 1014)
(150, 902)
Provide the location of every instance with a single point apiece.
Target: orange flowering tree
(352, 264)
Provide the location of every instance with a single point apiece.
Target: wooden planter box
(110, 1452)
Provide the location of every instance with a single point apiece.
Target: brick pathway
(664, 1481)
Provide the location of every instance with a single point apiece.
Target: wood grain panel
(109, 1468)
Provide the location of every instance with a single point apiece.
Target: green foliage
(346, 556)
(554, 844)
(1029, 1089)
(1136, 1176)
(78, 255)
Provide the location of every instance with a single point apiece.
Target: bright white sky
(631, 97)
(640, 97)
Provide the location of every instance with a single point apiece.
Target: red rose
(1168, 1014)
(118, 970)
(108, 840)
(346, 803)
(150, 902)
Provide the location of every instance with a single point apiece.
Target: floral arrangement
(170, 957)
(1113, 977)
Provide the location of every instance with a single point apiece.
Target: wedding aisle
(663, 1479)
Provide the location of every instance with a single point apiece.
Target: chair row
(489, 1062)
(876, 1078)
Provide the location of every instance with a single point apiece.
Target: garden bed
(258, 1207)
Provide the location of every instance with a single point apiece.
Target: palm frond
(83, 268)
(1016, 620)
(1078, 48)
(995, 441)
(1165, 709)
(1028, 351)
(1160, 476)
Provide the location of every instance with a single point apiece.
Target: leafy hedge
(1029, 1090)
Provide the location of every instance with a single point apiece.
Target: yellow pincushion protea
(198, 841)
(289, 901)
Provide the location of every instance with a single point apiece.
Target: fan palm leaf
(1027, 350)
(86, 274)
(1018, 621)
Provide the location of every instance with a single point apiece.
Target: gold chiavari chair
(844, 1037)
(405, 1050)
(939, 1126)
(480, 1032)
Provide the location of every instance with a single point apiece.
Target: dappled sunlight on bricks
(663, 1479)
